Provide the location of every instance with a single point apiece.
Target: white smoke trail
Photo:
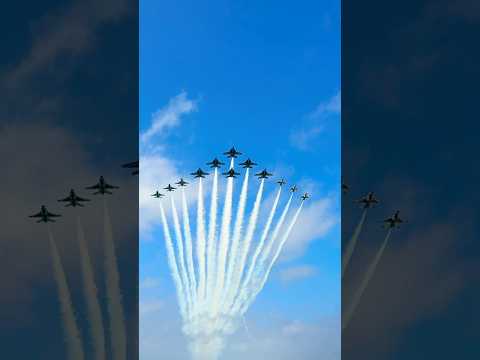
(246, 282)
(212, 230)
(114, 303)
(201, 239)
(236, 238)
(353, 241)
(188, 249)
(90, 293)
(224, 244)
(368, 275)
(181, 257)
(262, 268)
(172, 263)
(255, 292)
(245, 246)
(72, 335)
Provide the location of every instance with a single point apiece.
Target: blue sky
(265, 78)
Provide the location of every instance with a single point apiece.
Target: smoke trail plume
(90, 293)
(224, 243)
(236, 238)
(352, 242)
(172, 263)
(72, 335)
(245, 246)
(188, 248)
(246, 282)
(114, 303)
(181, 257)
(368, 275)
(201, 237)
(254, 293)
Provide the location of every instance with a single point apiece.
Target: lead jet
(231, 173)
(44, 215)
(102, 187)
(182, 182)
(169, 188)
(264, 174)
(73, 199)
(132, 165)
(293, 188)
(232, 153)
(393, 221)
(305, 196)
(215, 163)
(199, 173)
(368, 201)
(157, 195)
(281, 182)
(248, 164)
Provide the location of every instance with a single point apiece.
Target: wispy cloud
(155, 165)
(149, 283)
(315, 124)
(150, 306)
(169, 116)
(296, 273)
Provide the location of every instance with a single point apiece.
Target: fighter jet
(232, 153)
(393, 221)
(102, 187)
(182, 182)
(264, 174)
(199, 173)
(247, 164)
(345, 188)
(368, 200)
(231, 173)
(169, 188)
(293, 188)
(215, 163)
(44, 215)
(73, 199)
(132, 165)
(305, 196)
(281, 182)
(157, 195)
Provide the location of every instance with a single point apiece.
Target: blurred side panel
(69, 115)
(410, 80)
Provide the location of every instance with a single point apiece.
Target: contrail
(246, 282)
(364, 283)
(277, 254)
(172, 263)
(212, 230)
(181, 257)
(188, 248)
(73, 340)
(352, 242)
(224, 243)
(238, 273)
(90, 292)
(268, 249)
(201, 237)
(236, 238)
(114, 303)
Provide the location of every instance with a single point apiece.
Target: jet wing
(78, 198)
(52, 215)
(36, 215)
(97, 186)
(66, 199)
(108, 186)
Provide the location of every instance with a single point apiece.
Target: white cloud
(149, 306)
(169, 116)
(302, 137)
(316, 220)
(296, 273)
